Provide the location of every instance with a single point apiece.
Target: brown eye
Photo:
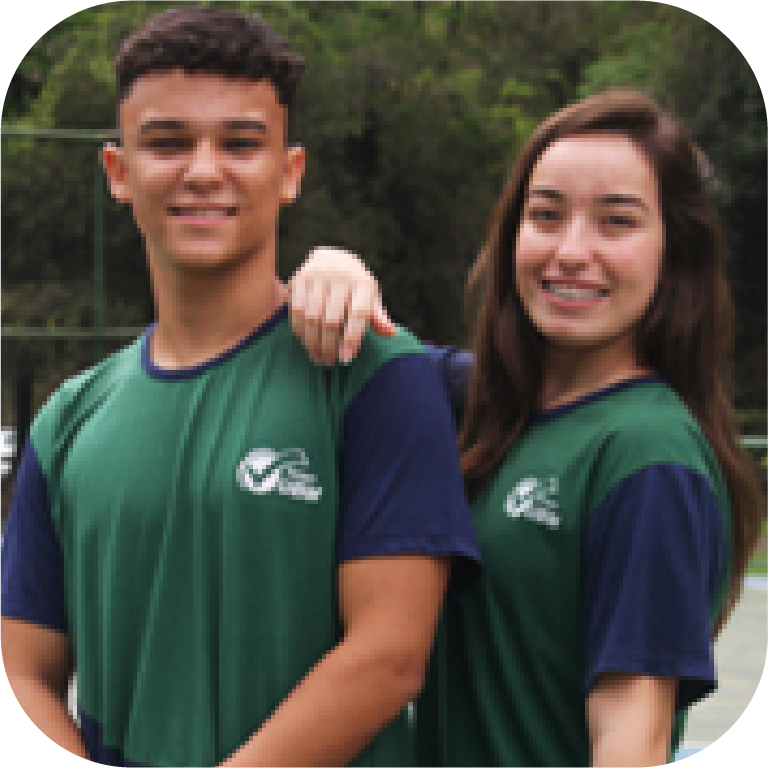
(241, 145)
(619, 221)
(544, 215)
(167, 144)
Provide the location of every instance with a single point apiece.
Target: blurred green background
(411, 114)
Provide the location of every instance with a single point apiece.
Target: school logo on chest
(266, 471)
(536, 500)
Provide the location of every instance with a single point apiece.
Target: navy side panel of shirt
(654, 553)
(401, 491)
(99, 752)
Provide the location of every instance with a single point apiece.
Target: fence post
(23, 405)
(98, 253)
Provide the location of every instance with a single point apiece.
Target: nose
(575, 247)
(204, 166)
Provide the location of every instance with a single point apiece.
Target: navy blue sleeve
(401, 485)
(32, 564)
(654, 553)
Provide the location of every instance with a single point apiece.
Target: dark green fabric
(195, 602)
(506, 681)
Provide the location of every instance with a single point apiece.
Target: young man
(242, 554)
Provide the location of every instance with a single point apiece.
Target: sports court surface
(740, 653)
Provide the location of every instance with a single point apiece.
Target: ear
(293, 170)
(113, 163)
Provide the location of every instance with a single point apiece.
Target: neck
(202, 312)
(573, 373)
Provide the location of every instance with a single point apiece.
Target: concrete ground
(740, 654)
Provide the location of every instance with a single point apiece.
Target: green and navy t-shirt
(604, 542)
(184, 528)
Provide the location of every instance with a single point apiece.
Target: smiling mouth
(202, 213)
(573, 293)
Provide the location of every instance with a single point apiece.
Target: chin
(589, 342)
(205, 260)
(575, 344)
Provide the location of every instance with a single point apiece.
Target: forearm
(335, 711)
(49, 712)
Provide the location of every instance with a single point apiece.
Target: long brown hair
(684, 336)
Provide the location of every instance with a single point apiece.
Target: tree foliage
(411, 114)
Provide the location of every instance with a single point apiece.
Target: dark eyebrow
(245, 125)
(179, 125)
(550, 194)
(553, 194)
(623, 200)
(162, 125)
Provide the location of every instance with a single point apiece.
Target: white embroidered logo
(535, 499)
(264, 470)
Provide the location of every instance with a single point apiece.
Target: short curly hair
(213, 40)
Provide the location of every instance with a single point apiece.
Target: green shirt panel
(506, 683)
(197, 517)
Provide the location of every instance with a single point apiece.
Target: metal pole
(98, 210)
(98, 253)
(60, 133)
(23, 405)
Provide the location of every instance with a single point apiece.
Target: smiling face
(205, 166)
(590, 242)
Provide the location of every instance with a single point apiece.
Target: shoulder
(78, 398)
(647, 426)
(656, 564)
(402, 489)
(653, 405)
(398, 396)
(375, 355)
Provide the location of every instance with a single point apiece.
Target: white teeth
(573, 293)
(202, 214)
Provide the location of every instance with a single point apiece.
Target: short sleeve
(401, 485)
(32, 562)
(654, 553)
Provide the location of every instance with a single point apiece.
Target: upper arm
(36, 652)
(401, 486)
(654, 554)
(392, 603)
(629, 718)
(32, 576)
(35, 642)
(404, 514)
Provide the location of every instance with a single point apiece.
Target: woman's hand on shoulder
(333, 297)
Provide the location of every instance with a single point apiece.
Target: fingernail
(345, 355)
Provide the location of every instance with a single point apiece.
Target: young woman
(614, 507)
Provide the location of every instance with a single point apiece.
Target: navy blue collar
(612, 389)
(183, 373)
